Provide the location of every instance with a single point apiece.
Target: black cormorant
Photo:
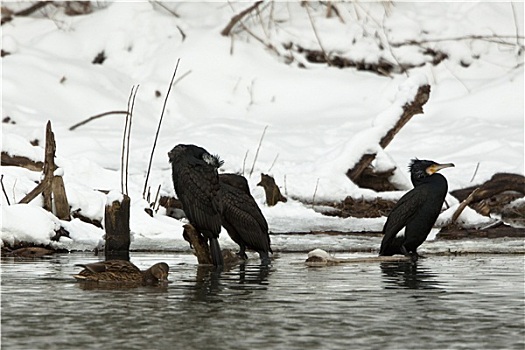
(196, 183)
(242, 217)
(416, 211)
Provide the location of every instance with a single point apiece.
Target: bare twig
(257, 152)
(326, 57)
(238, 17)
(175, 14)
(96, 117)
(475, 172)
(514, 15)
(181, 77)
(273, 163)
(315, 192)
(463, 205)
(158, 128)
(244, 161)
(3, 189)
(124, 164)
(152, 205)
(491, 38)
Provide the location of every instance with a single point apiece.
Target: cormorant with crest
(416, 211)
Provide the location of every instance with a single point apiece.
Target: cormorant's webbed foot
(265, 259)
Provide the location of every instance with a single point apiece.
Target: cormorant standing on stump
(416, 211)
(242, 217)
(196, 183)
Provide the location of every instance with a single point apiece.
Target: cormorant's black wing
(197, 188)
(240, 211)
(404, 210)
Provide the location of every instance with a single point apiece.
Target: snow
(318, 120)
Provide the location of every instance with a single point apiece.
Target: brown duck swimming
(122, 271)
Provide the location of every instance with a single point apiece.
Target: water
(465, 302)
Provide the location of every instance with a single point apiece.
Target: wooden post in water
(116, 224)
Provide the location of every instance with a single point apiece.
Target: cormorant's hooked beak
(434, 168)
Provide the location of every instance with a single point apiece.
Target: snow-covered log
(413, 95)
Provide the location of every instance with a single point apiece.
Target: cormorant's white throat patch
(212, 160)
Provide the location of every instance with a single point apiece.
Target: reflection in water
(285, 306)
(409, 275)
(211, 281)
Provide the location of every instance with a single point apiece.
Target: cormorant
(242, 217)
(196, 183)
(416, 211)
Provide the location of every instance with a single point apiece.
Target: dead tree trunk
(116, 224)
(52, 186)
(409, 110)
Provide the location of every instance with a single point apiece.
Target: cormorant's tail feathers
(216, 254)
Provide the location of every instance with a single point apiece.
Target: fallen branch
(235, 19)
(498, 183)
(24, 162)
(409, 110)
(463, 205)
(42, 186)
(26, 12)
(71, 128)
(491, 38)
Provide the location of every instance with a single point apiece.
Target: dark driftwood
(9, 160)
(273, 194)
(378, 181)
(409, 110)
(116, 224)
(198, 243)
(454, 232)
(489, 197)
(499, 182)
(235, 19)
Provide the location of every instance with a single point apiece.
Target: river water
(462, 302)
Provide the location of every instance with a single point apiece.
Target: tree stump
(273, 194)
(116, 224)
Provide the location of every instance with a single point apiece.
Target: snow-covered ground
(318, 119)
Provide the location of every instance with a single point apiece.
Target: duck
(122, 271)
